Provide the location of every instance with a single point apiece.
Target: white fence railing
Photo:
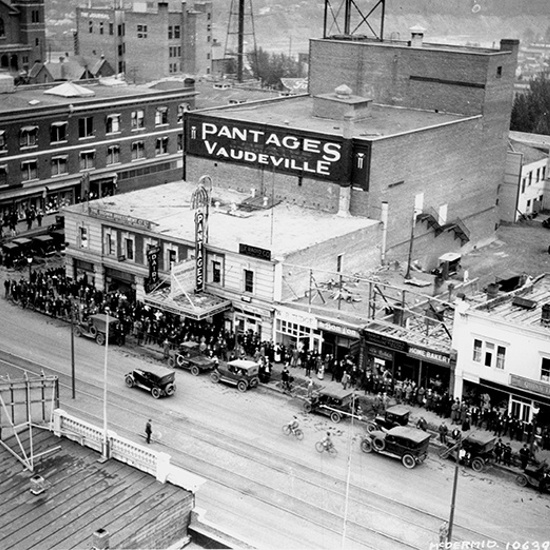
(124, 450)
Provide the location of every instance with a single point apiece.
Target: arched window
(2, 28)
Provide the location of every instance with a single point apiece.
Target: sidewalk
(22, 230)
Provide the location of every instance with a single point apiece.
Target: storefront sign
(530, 385)
(429, 355)
(282, 150)
(385, 341)
(254, 252)
(182, 278)
(297, 317)
(199, 250)
(121, 218)
(379, 352)
(339, 329)
(153, 261)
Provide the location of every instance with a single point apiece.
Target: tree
(531, 110)
(271, 67)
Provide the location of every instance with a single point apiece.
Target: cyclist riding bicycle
(327, 441)
(294, 424)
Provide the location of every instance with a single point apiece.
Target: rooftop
(280, 228)
(82, 496)
(296, 112)
(531, 153)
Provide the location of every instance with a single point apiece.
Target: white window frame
(110, 157)
(83, 236)
(545, 377)
(60, 161)
(84, 158)
(161, 116)
(138, 147)
(54, 128)
(490, 353)
(245, 271)
(110, 244)
(161, 146)
(129, 237)
(170, 248)
(28, 137)
(86, 129)
(138, 120)
(112, 124)
(26, 173)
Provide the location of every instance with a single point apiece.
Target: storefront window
(248, 280)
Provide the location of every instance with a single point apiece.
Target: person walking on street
(524, 454)
(148, 431)
(310, 388)
(443, 432)
(345, 380)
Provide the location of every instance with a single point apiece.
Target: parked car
(188, 356)
(335, 404)
(408, 444)
(546, 223)
(538, 478)
(160, 381)
(95, 327)
(398, 415)
(239, 372)
(476, 450)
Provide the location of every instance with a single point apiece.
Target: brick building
(22, 35)
(415, 127)
(60, 145)
(148, 41)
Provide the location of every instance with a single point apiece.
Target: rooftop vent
(524, 303)
(38, 485)
(101, 540)
(545, 314)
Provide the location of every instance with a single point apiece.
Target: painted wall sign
(379, 352)
(429, 355)
(283, 150)
(530, 385)
(339, 329)
(254, 252)
(385, 341)
(199, 250)
(121, 218)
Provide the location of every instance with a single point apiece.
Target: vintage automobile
(43, 245)
(336, 404)
(408, 444)
(160, 381)
(95, 326)
(10, 254)
(475, 450)
(188, 356)
(239, 372)
(538, 478)
(398, 415)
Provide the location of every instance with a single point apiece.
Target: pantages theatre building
(396, 142)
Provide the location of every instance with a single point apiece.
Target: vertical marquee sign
(153, 261)
(199, 249)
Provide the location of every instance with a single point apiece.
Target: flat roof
(297, 112)
(82, 496)
(20, 100)
(279, 229)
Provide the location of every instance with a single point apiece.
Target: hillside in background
(287, 25)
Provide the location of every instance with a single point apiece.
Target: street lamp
(72, 350)
(29, 261)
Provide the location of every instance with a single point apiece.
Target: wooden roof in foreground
(82, 496)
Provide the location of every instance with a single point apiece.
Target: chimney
(38, 485)
(417, 36)
(545, 314)
(100, 540)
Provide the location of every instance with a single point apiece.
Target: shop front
(340, 340)
(83, 269)
(250, 320)
(120, 281)
(298, 330)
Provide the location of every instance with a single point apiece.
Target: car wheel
(378, 444)
(408, 461)
(478, 464)
(521, 480)
(371, 427)
(335, 417)
(299, 434)
(129, 381)
(254, 382)
(100, 339)
(77, 331)
(242, 386)
(180, 361)
(195, 370)
(93, 331)
(170, 389)
(307, 407)
(286, 429)
(172, 362)
(155, 392)
(319, 447)
(215, 377)
(366, 446)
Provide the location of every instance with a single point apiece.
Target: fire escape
(455, 226)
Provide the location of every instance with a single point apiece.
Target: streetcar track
(233, 446)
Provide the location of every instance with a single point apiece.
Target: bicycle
(295, 431)
(321, 446)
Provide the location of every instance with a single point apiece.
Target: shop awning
(195, 306)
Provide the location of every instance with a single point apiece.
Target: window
(545, 370)
(90, 26)
(3, 141)
(121, 30)
(83, 240)
(2, 28)
(3, 175)
(28, 136)
(101, 27)
(171, 257)
(87, 160)
(248, 280)
(29, 170)
(142, 31)
(499, 72)
(113, 154)
(138, 150)
(58, 132)
(110, 244)
(530, 178)
(161, 116)
(216, 272)
(86, 127)
(161, 147)
(523, 182)
(174, 32)
(182, 108)
(484, 352)
(180, 142)
(129, 248)
(59, 165)
(112, 124)
(121, 49)
(111, 29)
(137, 119)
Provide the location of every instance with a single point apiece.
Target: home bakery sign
(280, 149)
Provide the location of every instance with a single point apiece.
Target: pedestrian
(443, 432)
(524, 455)
(148, 431)
(285, 377)
(422, 424)
(507, 455)
(309, 388)
(39, 216)
(345, 380)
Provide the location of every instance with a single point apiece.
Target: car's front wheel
(129, 381)
(195, 370)
(478, 464)
(408, 461)
(366, 446)
(371, 427)
(215, 377)
(378, 444)
(254, 382)
(77, 331)
(156, 393)
(521, 480)
(307, 407)
(335, 417)
(100, 339)
(170, 389)
(242, 386)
